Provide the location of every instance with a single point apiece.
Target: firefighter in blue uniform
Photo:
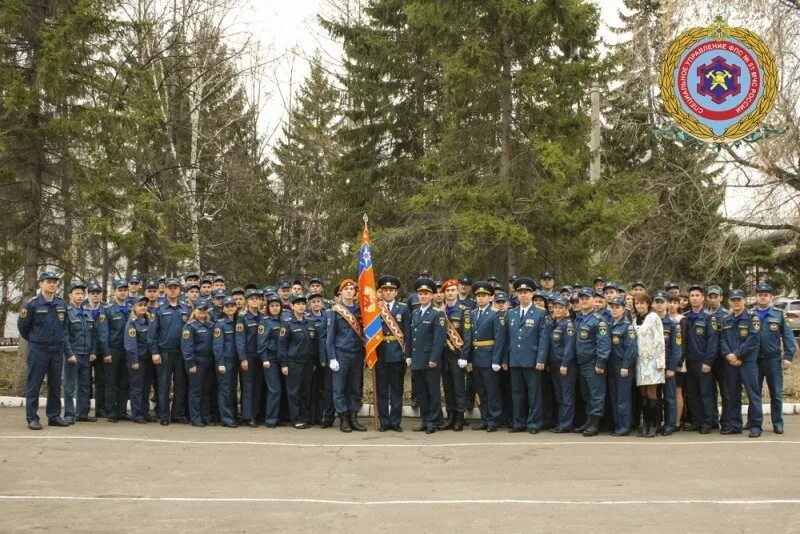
(739, 338)
(225, 362)
(563, 368)
(392, 352)
(465, 292)
(592, 350)
(134, 285)
(298, 353)
(528, 344)
(673, 344)
(268, 353)
(315, 312)
(714, 308)
(198, 356)
(82, 346)
(701, 348)
(488, 340)
(776, 351)
(247, 350)
(164, 339)
(94, 304)
(428, 336)
(114, 359)
(217, 296)
(42, 323)
(138, 354)
(620, 367)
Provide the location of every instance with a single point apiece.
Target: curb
(408, 411)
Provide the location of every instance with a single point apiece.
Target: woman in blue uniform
(138, 353)
(224, 348)
(298, 352)
(267, 345)
(198, 355)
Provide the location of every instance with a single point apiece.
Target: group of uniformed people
(576, 359)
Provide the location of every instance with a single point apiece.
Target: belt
(389, 338)
(487, 343)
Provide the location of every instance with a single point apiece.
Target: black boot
(344, 422)
(354, 424)
(583, 427)
(645, 430)
(451, 421)
(458, 425)
(655, 417)
(593, 426)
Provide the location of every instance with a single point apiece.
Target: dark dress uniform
(198, 352)
(317, 403)
(528, 346)
(428, 335)
(346, 347)
(224, 346)
(718, 370)
(624, 350)
(247, 350)
(562, 354)
(390, 369)
(486, 356)
(454, 375)
(592, 350)
(116, 371)
(740, 336)
(673, 345)
(164, 338)
(43, 324)
(137, 351)
(297, 349)
(701, 348)
(268, 333)
(82, 340)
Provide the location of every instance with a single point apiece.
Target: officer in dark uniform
(392, 352)
(486, 356)
(298, 353)
(218, 282)
(284, 292)
(217, 296)
(225, 361)
(592, 350)
(164, 339)
(672, 289)
(411, 300)
(739, 338)
(238, 294)
(198, 356)
(315, 312)
(563, 368)
(134, 286)
(714, 299)
(42, 323)
(428, 335)
(115, 359)
(528, 344)
(500, 305)
(138, 352)
(465, 292)
(701, 348)
(456, 356)
(621, 367)
(775, 331)
(316, 285)
(547, 281)
(81, 350)
(247, 350)
(673, 344)
(94, 303)
(206, 286)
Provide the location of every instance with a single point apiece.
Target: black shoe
(714, 426)
(301, 426)
(201, 425)
(57, 421)
(69, 421)
(754, 433)
(533, 431)
(620, 434)
(326, 424)
(778, 429)
(124, 417)
(384, 428)
(746, 426)
(100, 413)
(593, 428)
(150, 418)
(690, 428)
(480, 427)
(419, 428)
(35, 425)
(667, 431)
(87, 419)
(355, 425)
(211, 423)
(139, 420)
(458, 425)
(705, 429)
(559, 430)
(344, 423)
(729, 431)
(430, 430)
(580, 429)
(491, 429)
(397, 428)
(230, 425)
(451, 421)
(514, 430)
(181, 420)
(164, 422)
(252, 423)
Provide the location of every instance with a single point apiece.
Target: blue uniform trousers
(487, 385)
(593, 389)
(564, 389)
(171, 369)
(670, 403)
(429, 397)
(390, 392)
(347, 383)
(526, 395)
(620, 393)
(454, 382)
(136, 378)
(226, 392)
(200, 390)
(252, 383)
(700, 394)
(116, 378)
(770, 369)
(735, 377)
(298, 391)
(272, 378)
(76, 388)
(43, 362)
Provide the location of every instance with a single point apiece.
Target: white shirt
(423, 310)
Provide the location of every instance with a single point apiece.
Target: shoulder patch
(602, 328)
(239, 327)
(132, 332)
(217, 332)
(186, 334)
(632, 333)
(23, 312)
(441, 321)
(570, 329)
(502, 319)
(756, 323)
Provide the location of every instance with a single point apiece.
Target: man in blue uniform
(392, 352)
(465, 292)
(592, 350)
(714, 307)
(776, 339)
(81, 350)
(252, 376)
(528, 343)
(42, 323)
(488, 341)
(94, 303)
(701, 348)
(673, 344)
(563, 368)
(134, 286)
(115, 358)
(739, 338)
(164, 340)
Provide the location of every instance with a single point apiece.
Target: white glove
(408, 362)
(334, 365)
(495, 367)
(462, 363)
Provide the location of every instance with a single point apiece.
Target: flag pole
(374, 372)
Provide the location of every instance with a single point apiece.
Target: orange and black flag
(368, 301)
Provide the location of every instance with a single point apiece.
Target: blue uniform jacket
(528, 336)
(81, 333)
(298, 341)
(267, 343)
(341, 338)
(247, 334)
(488, 337)
(718, 315)
(461, 319)
(673, 343)
(44, 323)
(428, 336)
(224, 344)
(389, 350)
(624, 346)
(136, 339)
(592, 340)
(165, 329)
(775, 329)
(701, 338)
(116, 318)
(562, 343)
(740, 335)
(100, 325)
(197, 341)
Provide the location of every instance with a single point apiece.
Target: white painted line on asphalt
(736, 502)
(425, 444)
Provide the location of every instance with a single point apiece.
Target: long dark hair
(645, 298)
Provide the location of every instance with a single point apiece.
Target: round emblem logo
(615, 340)
(719, 83)
(743, 332)
(584, 334)
(132, 332)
